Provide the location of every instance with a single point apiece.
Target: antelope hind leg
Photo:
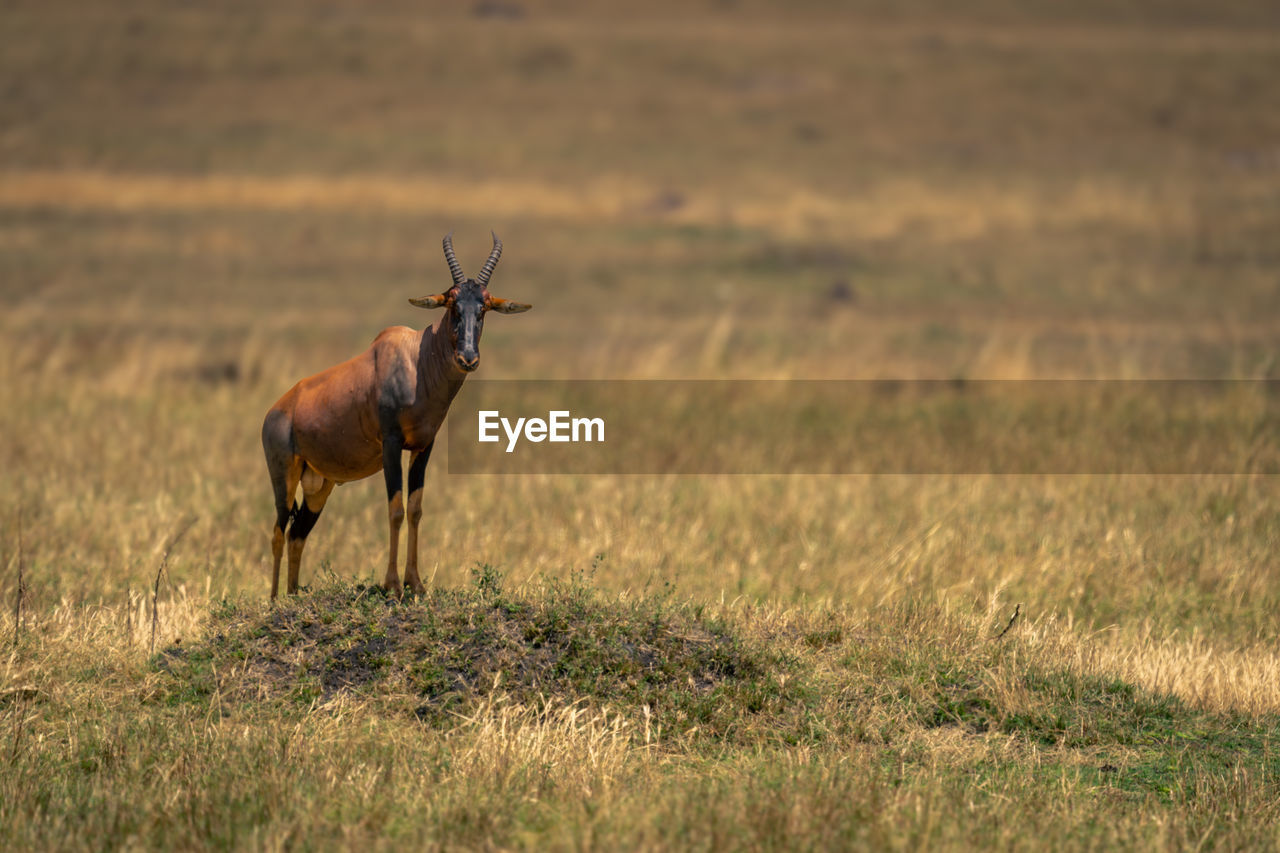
(315, 492)
(417, 474)
(285, 470)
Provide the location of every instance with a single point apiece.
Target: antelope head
(468, 301)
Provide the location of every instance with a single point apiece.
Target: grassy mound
(438, 655)
(897, 681)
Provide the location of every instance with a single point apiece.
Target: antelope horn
(487, 270)
(454, 266)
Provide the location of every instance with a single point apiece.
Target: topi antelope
(358, 417)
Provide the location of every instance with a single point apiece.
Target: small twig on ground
(1014, 618)
(22, 586)
(164, 564)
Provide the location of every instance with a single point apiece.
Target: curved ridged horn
(487, 270)
(454, 266)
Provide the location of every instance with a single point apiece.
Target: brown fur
(333, 427)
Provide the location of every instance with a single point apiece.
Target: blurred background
(201, 203)
(1012, 189)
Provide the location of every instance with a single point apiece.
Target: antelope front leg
(391, 449)
(417, 474)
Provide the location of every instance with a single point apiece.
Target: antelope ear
(506, 306)
(438, 301)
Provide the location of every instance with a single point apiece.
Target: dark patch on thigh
(304, 518)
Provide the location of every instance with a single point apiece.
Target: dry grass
(199, 206)
(889, 210)
(912, 715)
(1197, 669)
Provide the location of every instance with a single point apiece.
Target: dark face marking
(468, 302)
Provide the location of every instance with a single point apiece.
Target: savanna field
(202, 203)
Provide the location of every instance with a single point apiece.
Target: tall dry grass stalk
(160, 571)
(20, 590)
